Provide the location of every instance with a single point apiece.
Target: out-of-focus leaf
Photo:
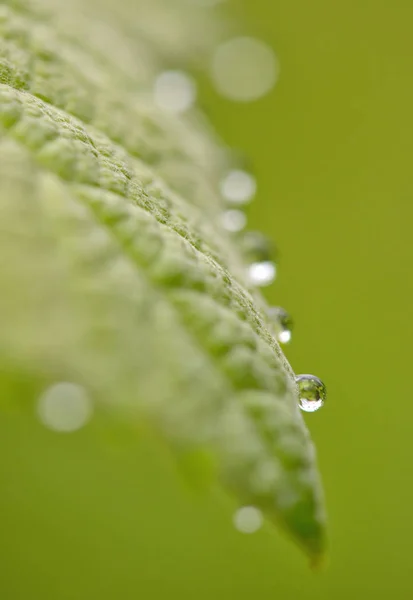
(116, 275)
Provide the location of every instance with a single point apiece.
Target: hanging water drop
(312, 392)
(283, 323)
(258, 252)
(256, 247)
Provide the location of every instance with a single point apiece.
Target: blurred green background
(332, 149)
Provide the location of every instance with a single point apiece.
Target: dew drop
(64, 407)
(238, 186)
(258, 252)
(283, 323)
(312, 392)
(233, 220)
(247, 519)
(262, 273)
(256, 247)
(174, 91)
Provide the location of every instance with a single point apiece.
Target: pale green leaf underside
(115, 274)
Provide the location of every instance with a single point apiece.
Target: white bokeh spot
(65, 407)
(238, 187)
(247, 519)
(262, 273)
(244, 69)
(233, 220)
(174, 91)
(284, 336)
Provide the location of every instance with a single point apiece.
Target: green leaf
(115, 274)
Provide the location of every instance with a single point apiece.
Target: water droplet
(238, 187)
(312, 392)
(283, 323)
(244, 69)
(233, 220)
(174, 91)
(64, 407)
(256, 247)
(247, 519)
(261, 273)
